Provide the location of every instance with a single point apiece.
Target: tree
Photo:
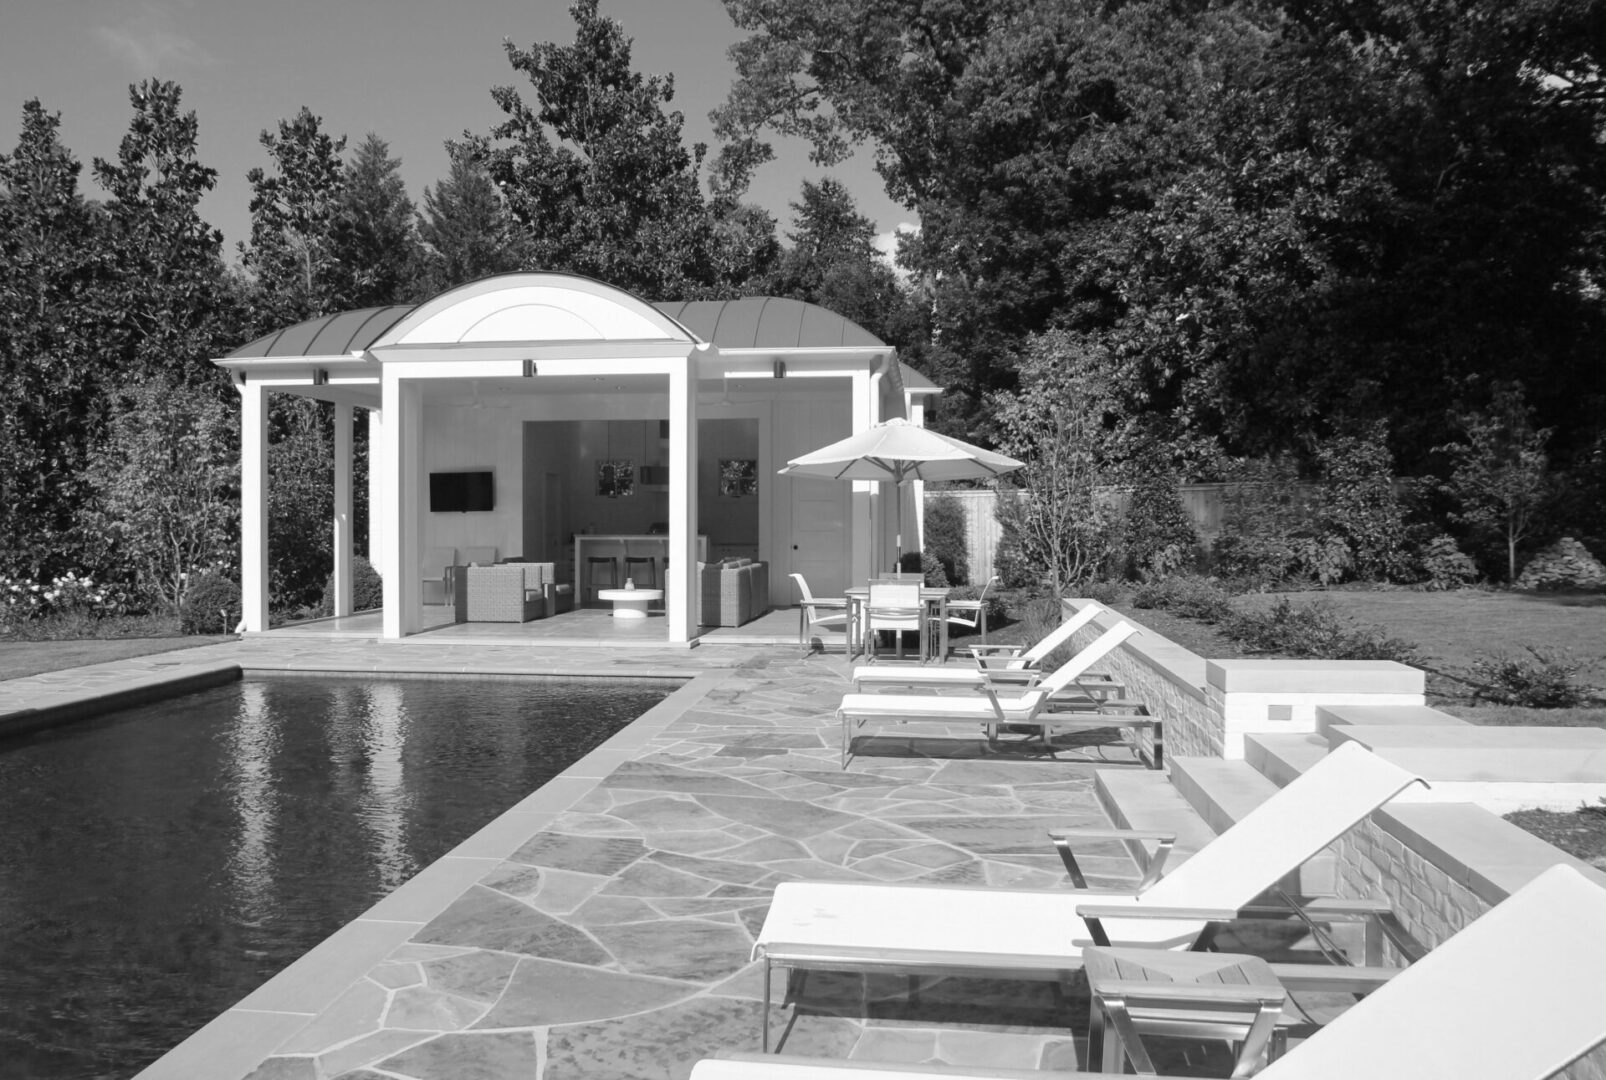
(166, 485)
(294, 209)
(595, 171)
(167, 307)
(1499, 474)
(833, 262)
(53, 262)
(374, 235)
(1057, 425)
(301, 499)
(467, 231)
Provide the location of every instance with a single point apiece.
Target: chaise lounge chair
(1515, 995)
(1029, 707)
(1022, 667)
(1040, 933)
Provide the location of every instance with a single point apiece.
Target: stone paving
(615, 941)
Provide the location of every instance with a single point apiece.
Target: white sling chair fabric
(1516, 995)
(960, 675)
(1039, 928)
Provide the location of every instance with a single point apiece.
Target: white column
(342, 514)
(862, 512)
(680, 606)
(253, 506)
(376, 491)
(397, 460)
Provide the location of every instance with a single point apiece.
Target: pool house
(546, 417)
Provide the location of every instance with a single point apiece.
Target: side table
(630, 603)
(1201, 995)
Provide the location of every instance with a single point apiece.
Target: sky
(414, 72)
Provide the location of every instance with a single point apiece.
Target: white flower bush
(21, 601)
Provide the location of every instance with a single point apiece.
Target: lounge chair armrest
(1193, 993)
(1095, 832)
(1003, 652)
(1144, 911)
(1333, 978)
(1153, 864)
(850, 1067)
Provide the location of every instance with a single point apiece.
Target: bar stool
(649, 561)
(599, 562)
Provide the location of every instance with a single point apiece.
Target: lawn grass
(20, 658)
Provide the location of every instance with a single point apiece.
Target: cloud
(147, 42)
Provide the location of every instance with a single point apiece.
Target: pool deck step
(1147, 800)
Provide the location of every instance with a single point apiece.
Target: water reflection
(158, 864)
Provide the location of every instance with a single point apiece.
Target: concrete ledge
(1304, 677)
(1331, 716)
(1222, 791)
(129, 692)
(1184, 669)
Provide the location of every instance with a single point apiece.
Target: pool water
(159, 863)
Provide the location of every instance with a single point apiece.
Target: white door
(820, 548)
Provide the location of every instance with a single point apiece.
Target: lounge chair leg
(764, 1015)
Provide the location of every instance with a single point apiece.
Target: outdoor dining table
(935, 602)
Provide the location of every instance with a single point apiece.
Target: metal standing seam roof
(327, 335)
(768, 322)
(752, 322)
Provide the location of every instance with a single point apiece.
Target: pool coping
(236, 1041)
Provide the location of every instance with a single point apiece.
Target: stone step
(1146, 800)
(1223, 792)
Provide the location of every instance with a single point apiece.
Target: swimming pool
(159, 863)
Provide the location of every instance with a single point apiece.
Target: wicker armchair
(514, 592)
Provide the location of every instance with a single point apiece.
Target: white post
(376, 491)
(253, 506)
(342, 514)
(397, 460)
(680, 606)
(862, 510)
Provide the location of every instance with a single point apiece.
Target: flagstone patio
(614, 938)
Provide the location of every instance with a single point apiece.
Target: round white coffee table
(630, 603)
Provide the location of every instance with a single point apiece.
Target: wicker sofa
(511, 592)
(732, 592)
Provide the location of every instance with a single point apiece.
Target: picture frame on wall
(616, 477)
(738, 477)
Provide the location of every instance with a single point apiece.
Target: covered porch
(552, 419)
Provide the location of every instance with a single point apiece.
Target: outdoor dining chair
(894, 606)
(969, 613)
(817, 612)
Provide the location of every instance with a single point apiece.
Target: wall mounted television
(461, 492)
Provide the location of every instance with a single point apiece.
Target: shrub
(1547, 681)
(945, 536)
(1108, 593)
(205, 603)
(1189, 597)
(935, 573)
(1318, 632)
(367, 589)
(1443, 565)
(1360, 507)
(1155, 535)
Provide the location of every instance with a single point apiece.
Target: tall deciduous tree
(294, 210)
(595, 170)
(167, 307)
(166, 487)
(52, 266)
(1499, 474)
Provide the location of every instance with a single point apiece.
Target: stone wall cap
(1474, 737)
(1385, 716)
(1314, 677)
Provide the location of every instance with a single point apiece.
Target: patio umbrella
(896, 451)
